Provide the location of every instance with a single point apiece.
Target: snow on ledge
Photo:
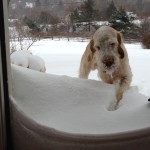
(76, 105)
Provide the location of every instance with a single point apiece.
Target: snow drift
(77, 106)
(25, 59)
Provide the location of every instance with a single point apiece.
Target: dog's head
(106, 44)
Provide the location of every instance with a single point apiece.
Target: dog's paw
(112, 105)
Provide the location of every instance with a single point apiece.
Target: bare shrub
(20, 37)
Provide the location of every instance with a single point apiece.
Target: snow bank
(77, 105)
(36, 63)
(25, 59)
(20, 58)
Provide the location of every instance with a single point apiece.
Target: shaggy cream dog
(106, 53)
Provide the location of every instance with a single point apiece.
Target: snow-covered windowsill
(75, 105)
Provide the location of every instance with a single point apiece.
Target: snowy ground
(63, 58)
(81, 106)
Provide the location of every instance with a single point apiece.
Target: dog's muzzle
(108, 61)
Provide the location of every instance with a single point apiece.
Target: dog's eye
(112, 44)
(98, 47)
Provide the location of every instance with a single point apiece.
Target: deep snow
(76, 105)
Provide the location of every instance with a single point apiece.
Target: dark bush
(146, 41)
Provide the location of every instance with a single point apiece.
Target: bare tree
(20, 37)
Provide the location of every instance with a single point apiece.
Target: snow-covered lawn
(63, 58)
(76, 105)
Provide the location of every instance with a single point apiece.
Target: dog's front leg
(84, 71)
(121, 86)
(85, 66)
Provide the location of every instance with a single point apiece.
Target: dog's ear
(120, 50)
(92, 46)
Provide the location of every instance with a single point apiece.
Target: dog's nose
(108, 61)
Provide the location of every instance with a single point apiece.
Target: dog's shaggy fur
(106, 53)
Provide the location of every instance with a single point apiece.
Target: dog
(106, 53)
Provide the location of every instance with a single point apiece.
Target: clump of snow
(76, 105)
(29, 5)
(20, 58)
(25, 59)
(36, 63)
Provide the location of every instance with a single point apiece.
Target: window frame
(5, 88)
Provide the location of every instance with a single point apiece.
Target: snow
(13, 6)
(36, 63)
(20, 58)
(29, 5)
(59, 58)
(60, 100)
(25, 59)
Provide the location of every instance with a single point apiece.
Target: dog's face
(106, 44)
